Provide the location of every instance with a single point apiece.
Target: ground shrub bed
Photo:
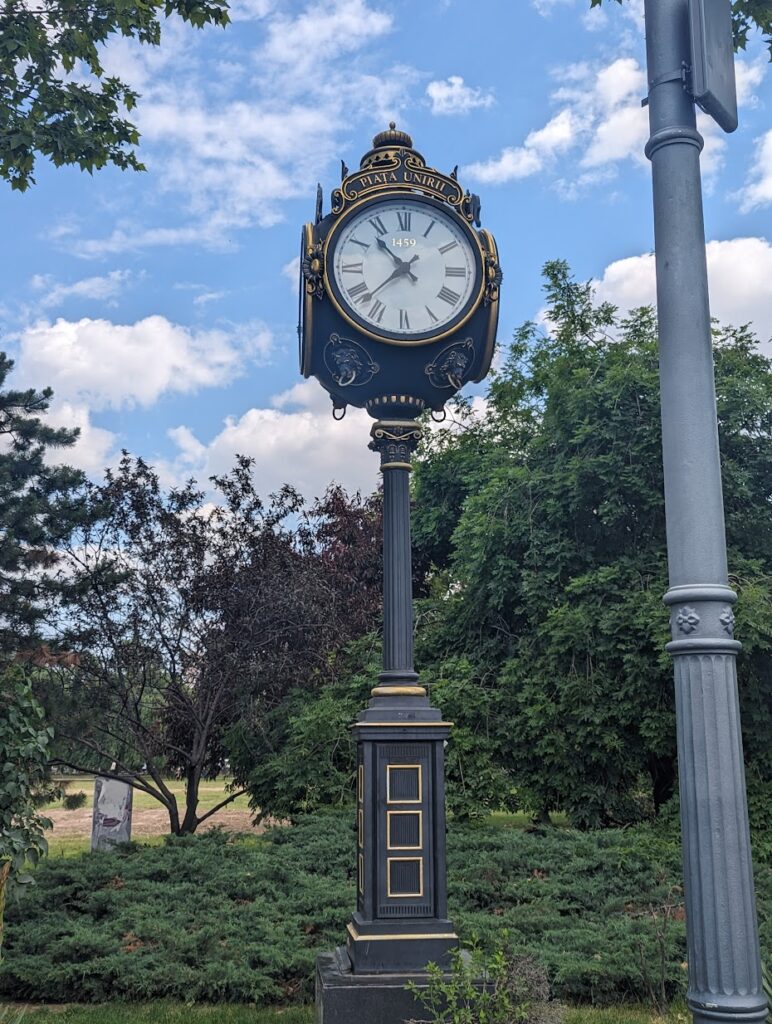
(218, 918)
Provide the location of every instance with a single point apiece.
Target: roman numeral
(404, 220)
(429, 228)
(359, 290)
(448, 296)
(448, 247)
(376, 311)
(450, 271)
(378, 225)
(432, 316)
(356, 241)
(404, 323)
(354, 268)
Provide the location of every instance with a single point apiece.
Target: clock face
(405, 269)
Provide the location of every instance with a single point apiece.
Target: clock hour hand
(400, 263)
(381, 244)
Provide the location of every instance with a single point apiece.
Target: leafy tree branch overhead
(747, 15)
(46, 108)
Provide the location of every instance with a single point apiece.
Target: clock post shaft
(396, 442)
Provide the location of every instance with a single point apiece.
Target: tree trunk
(663, 776)
(5, 870)
(190, 821)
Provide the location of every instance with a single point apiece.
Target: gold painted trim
(360, 783)
(360, 827)
(361, 879)
(493, 312)
(400, 194)
(407, 725)
(308, 306)
(355, 935)
(396, 465)
(419, 767)
(404, 860)
(420, 846)
(398, 691)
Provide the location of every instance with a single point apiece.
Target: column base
(385, 947)
(746, 1009)
(343, 997)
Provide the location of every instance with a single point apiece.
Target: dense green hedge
(218, 918)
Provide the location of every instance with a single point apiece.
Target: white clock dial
(404, 267)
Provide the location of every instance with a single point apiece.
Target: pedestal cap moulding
(399, 289)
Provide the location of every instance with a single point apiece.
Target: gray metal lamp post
(722, 935)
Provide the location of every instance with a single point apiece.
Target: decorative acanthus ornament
(395, 441)
(312, 269)
(726, 618)
(493, 278)
(687, 620)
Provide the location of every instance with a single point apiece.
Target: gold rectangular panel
(390, 797)
(361, 879)
(393, 817)
(360, 827)
(393, 861)
(361, 783)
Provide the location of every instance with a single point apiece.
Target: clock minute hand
(403, 270)
(397, 272)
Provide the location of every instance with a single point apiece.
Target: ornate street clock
(399, 296)
(397, 285)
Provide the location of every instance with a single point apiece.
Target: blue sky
(161, 307)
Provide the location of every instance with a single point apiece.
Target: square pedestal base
(343, 997)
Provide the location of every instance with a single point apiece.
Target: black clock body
(399, 235)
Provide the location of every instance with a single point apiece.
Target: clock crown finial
(392, 137)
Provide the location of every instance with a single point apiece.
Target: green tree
(199, 630)
(40, 506)
(24, 741)
(45, 109)
(552, 588)
(747, 16)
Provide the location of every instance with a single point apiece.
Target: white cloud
(104, 365)
(249, 10)
(95, 448)
(621, 124)
(452, 96)
(291, 270)
(749, 75)
(600, 113)
(104, 288)
(740, 278)
(206, 297)
(296, 442)
(231, 152)
(539, 147)
(547, 7)
(758, 190)
(322, 33)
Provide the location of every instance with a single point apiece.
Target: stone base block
(343, 997)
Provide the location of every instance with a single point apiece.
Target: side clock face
(405, 270)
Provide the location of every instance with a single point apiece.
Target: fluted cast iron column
(396, 440)
(722, 934)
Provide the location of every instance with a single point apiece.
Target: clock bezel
(391, 337)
